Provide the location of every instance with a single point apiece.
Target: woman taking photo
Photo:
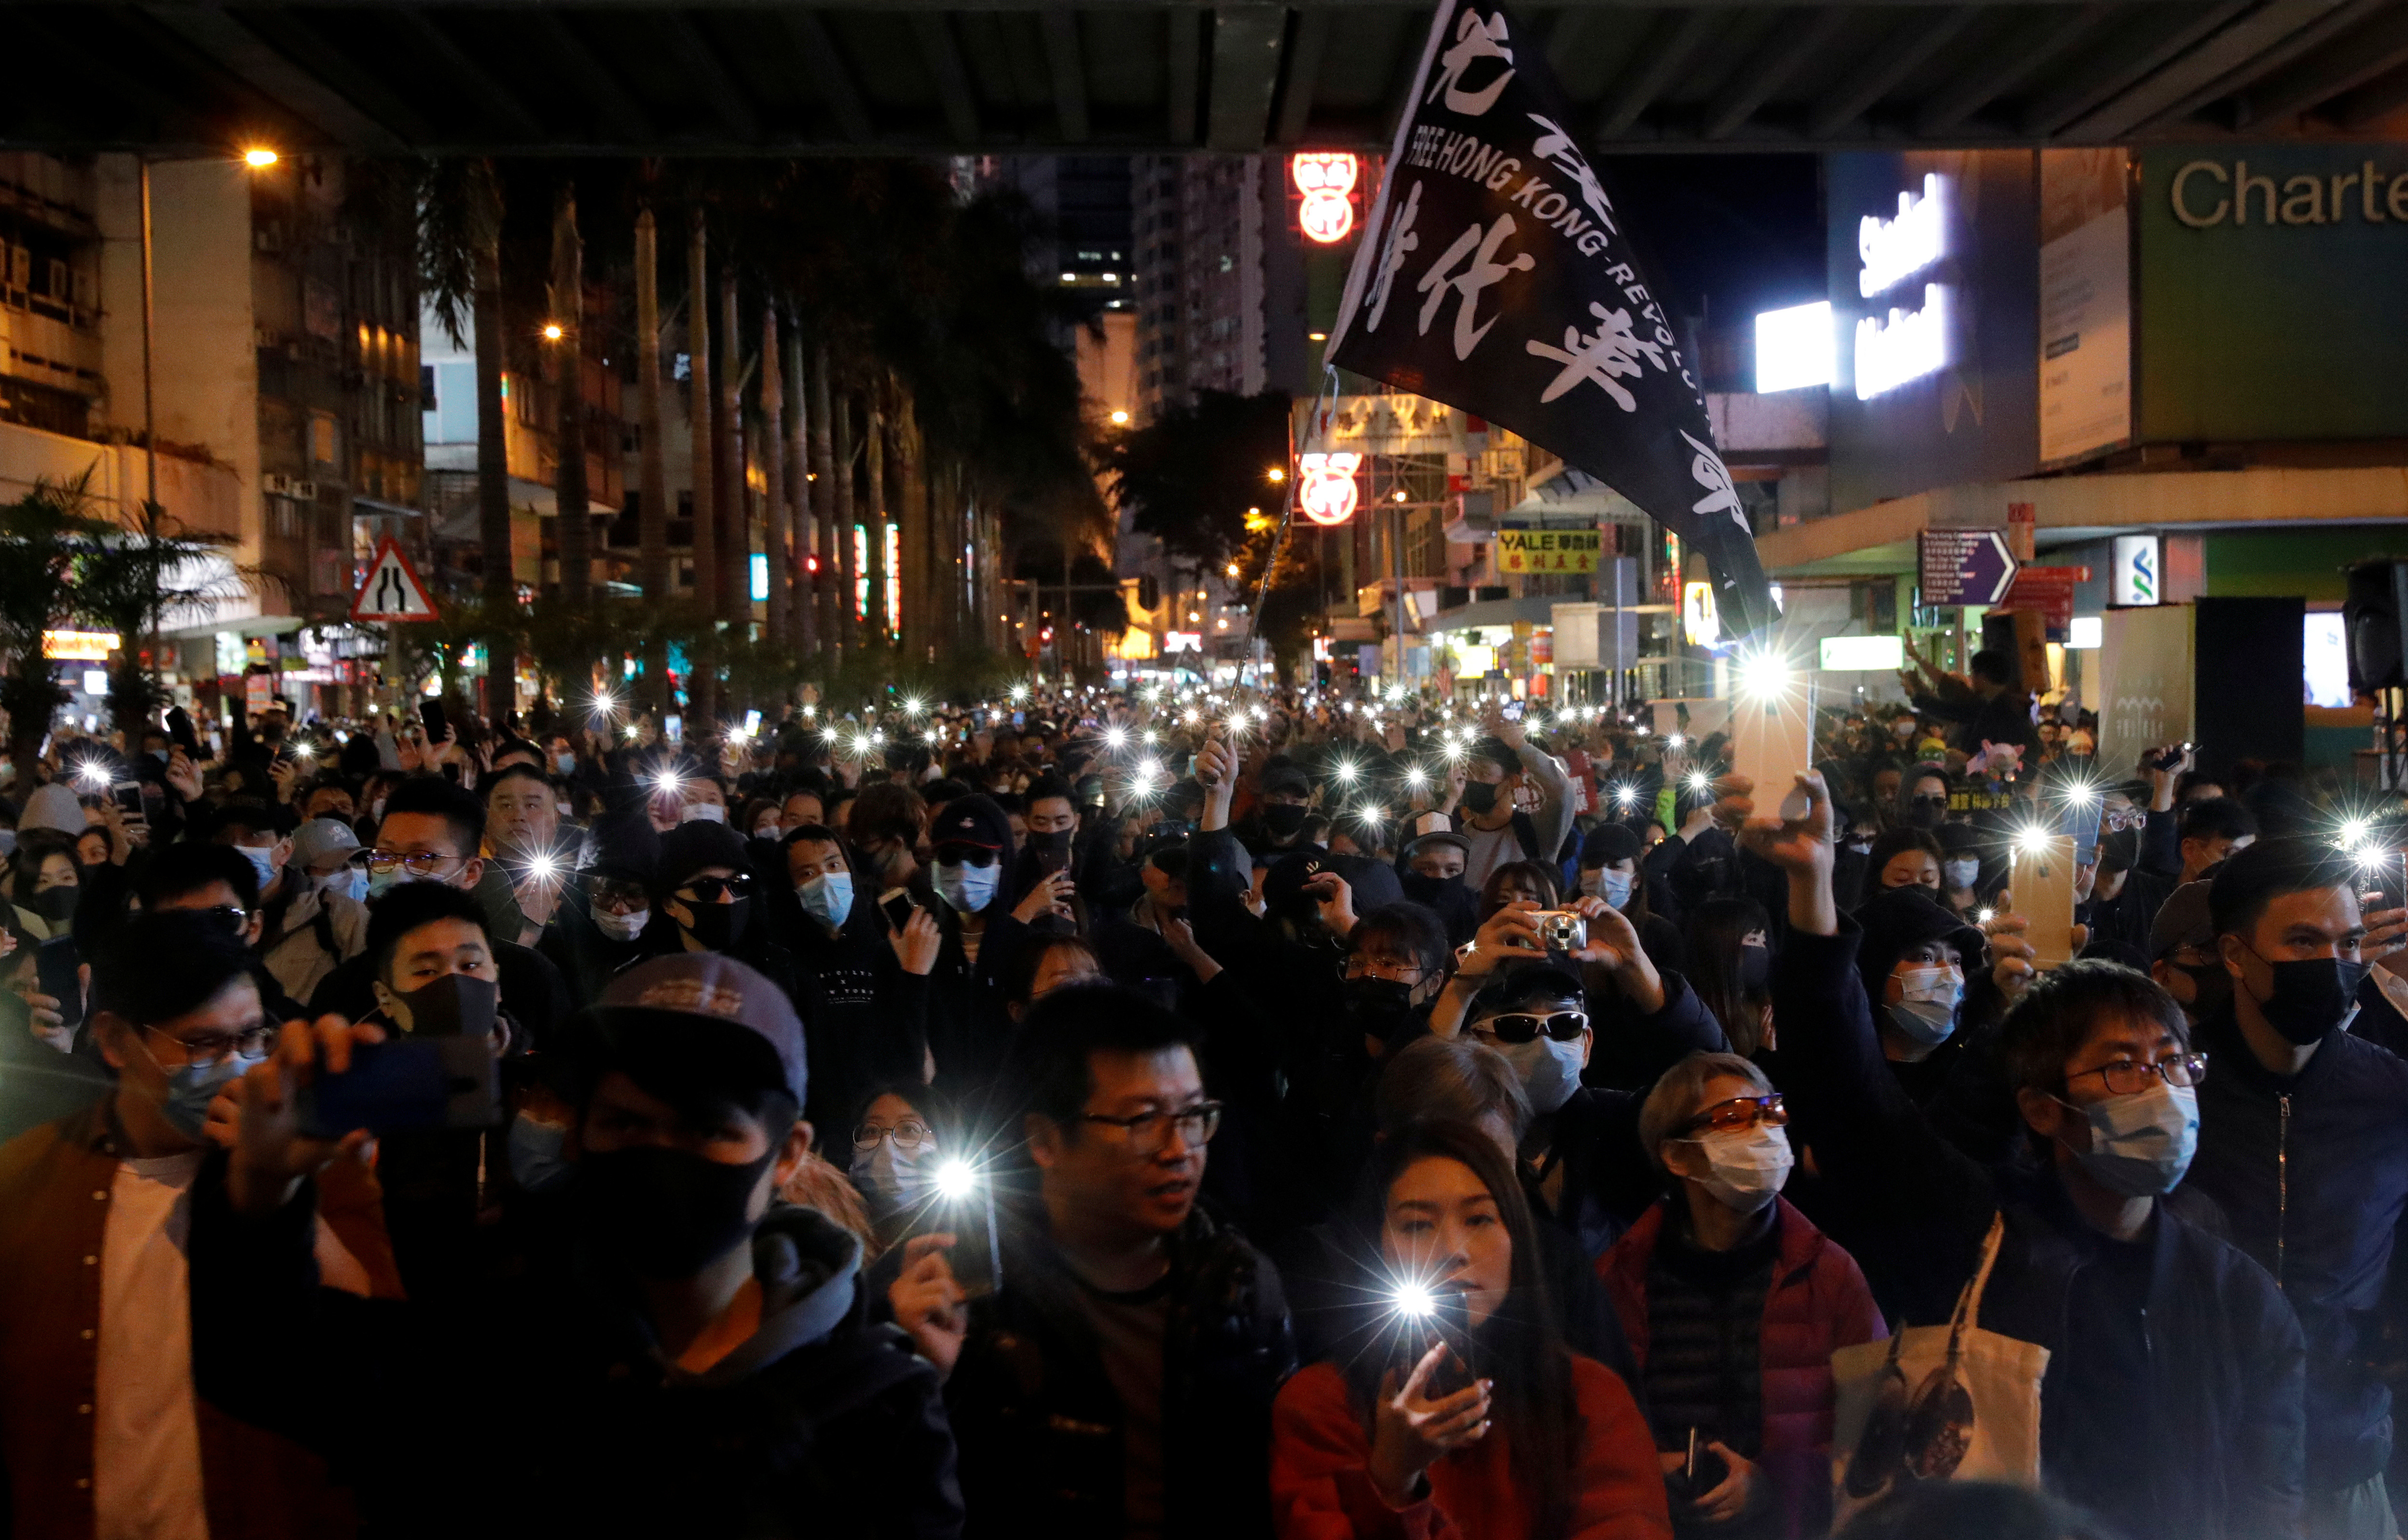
(1540, 1444)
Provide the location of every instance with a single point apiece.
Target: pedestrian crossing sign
(392, 591)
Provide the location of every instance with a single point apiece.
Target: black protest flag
(1495, 276)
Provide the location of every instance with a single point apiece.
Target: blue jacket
(2217, 1445)
(2311, 1173)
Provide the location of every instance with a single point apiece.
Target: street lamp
(259, 157)
(551, 332)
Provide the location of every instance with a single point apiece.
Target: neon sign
(1325, 487)
(1908, 346)
(1326, 179)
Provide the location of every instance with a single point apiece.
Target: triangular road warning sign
(392, 591)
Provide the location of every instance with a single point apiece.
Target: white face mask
(1749, 1166)
(702, 813)
(622, 928)
(1960, 873)
(768, 828)
(1927, 1014)
(890, 1178)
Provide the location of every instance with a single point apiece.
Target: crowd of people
(1312, 1113)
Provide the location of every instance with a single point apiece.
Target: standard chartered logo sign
(1907, 344)
(2207, 192)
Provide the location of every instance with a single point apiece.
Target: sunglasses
(1740, 1111)
(1524, 1026)
(710, 889)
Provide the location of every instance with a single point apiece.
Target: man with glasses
(431, 832)
(100, 1429)
(2172, 1399)
(1119, 1380)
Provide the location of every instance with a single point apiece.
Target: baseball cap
(1607, 843)
(974, 820)
(724, 1015)
(323, 839)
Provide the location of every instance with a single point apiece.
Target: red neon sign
(1326, 180)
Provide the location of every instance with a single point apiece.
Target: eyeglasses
(1739, 1112)
(2119, 819)
(908, 1134)
(1353, 968)
(1149, 1133)
(709, 890)
(213, 1049)
(2126, 1077)
(1524, 1026)
(629, 894)
(424, 863)
(234, 915)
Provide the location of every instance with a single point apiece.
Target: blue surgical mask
(827, 897)
(1928, 1013)
(1614, 887)
(351, 883)
(190, 1088)
(536, 1161)
(565, 763)
(263, 860)
(2140, 1144)
(1960, 873)
(1549, 1071)
(967, 888)
(890, 1178)
(160, 754)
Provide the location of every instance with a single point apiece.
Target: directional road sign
(392, 591)
(1964, 566)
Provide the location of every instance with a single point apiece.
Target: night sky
(1726, 236)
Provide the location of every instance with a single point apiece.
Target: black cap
(1285, 777)
(1514, 986)
(974, 820)
(1903, 918)
(762, 1044)
(689, 847)
(1375, 882)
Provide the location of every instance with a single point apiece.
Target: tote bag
(1936, 1404)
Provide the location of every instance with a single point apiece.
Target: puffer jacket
(1817, 1303)
(2311, 1173)
(1040, 1426)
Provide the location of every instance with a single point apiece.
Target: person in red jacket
(1543, 1445)
(1733, 1304)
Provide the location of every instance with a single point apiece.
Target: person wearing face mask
(1500, 768)
(1431, 869)
(1542, 1442)
(314, 918)
(434, 974)
(2300, 1138)
(1961, 870)
(1609, 871)
(861, 989)
(1914, 960)
(605, 906)
(897, 1148)
(1734, 1302)
(1923, 799)
(1586, 1168)
(2125, 893)
(433, 832)
(1283, 803)
(2093, 1260)
(102, 1431)
(706, 899)
(45, 884)
(984, 929)
(1050, 811)
(726, 1379)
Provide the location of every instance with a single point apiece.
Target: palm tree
(575, 523)
(701, 701)
(41, 535)
(652, 496)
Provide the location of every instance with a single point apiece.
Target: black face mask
(1282, 819)
(455, 1005)
(718, 925)
(1381, 1007)
(1926, 812)
(1755, 969)
(1428, 892)
(2210, 988)
(2311, 997)
(57, 904)
(1053, 843)
(2120, 851)
(1480, 797)
(664, 1212)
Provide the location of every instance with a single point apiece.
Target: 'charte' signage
(2204, 194)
